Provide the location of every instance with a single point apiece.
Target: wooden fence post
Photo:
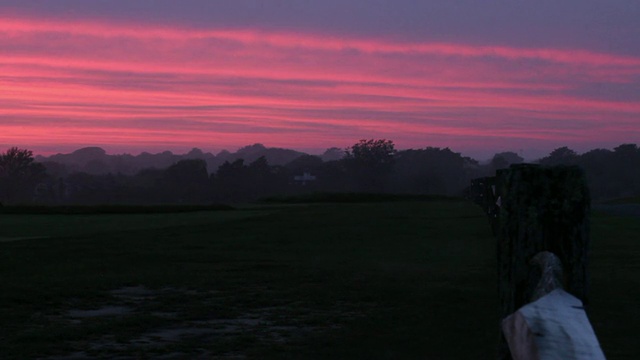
(541, 209)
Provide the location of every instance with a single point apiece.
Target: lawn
(393, 279)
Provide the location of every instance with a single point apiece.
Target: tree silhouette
(371, 162)
(19, 175)
(304, 163)
(504, 159)
(369, 165)
(231, 181)
(430, 171)
(375, 153)
(188, 181)
(626, 161)
(560, 156)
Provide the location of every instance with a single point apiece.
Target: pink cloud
(112, 83)
(306, 41)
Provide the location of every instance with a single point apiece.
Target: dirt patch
(103, 311)
(178, 329)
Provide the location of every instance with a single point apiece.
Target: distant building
(304, 178)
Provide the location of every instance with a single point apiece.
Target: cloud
(101, 82)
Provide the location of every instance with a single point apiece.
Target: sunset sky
(478, 77)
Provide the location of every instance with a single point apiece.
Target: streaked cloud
(142, 86)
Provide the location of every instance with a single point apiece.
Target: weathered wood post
(541, 209)
(484, 192)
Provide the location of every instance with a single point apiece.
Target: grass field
(374, 280)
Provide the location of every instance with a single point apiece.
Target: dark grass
(339, 198)
(615, 284)
(110, 209)
(627, 200)
(378, 280)
(88, 224)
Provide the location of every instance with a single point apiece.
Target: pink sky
(142, 86)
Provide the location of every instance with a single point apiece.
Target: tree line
(373, 166)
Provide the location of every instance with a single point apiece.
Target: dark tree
(626, 162)
(231, 181)
(505, 159)
(498, 162)
(371, 162)
(510, 157)
(187, 172)
(304, 163)
(332, 154)
(334, 176)
(19, 175)
(430, 171)
(188, 181)
(375, 153)
(560, 156)
(259, 177)
(87, 189)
